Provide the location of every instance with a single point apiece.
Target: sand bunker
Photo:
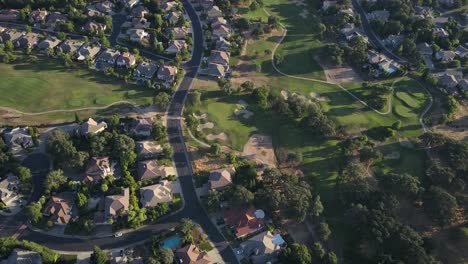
(285, 94)
(244, 113)
(221, 136)
(203, 116)
(260, 149)
(208, 125)
(318, 97)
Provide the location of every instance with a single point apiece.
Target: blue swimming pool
(172, 242)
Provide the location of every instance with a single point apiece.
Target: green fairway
(47, 85)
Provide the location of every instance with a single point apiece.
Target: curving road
(192, 208)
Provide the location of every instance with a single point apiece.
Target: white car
(117, 234)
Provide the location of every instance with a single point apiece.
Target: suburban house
(173, 17)
(214, 11)
(221, 31)
(18, 138)
(379, 15)
(463, 84)
(47, 44)
(27, 41)
(445, 55)
(263, 248)
(137, 34)
(145, 71)
(190, 254)
(130, 3)
(20, 256)
(461, 52)
(108, 56)
(139, 11)
(180, 32)
(441, 32)
(137, 23)
(98, 169)
(423, 11)
(11, 35)
(87, 52)
(105, 7)
(448, 81)
(92, 26)
(176, 46)
(388, 66)
(244, 221)
(327, 4)
(169, 5)
(167, 74)
(214, 70)
(115, 204)
(155, 194)
(92, 12)
(206, 4)
(70, 46)
(141, 127)
(149, 169)
(147, 149)
(92, 127)
(218, 21)
(393, 41)
(58, 210)
(221, 178)
(9, 188)
(219, 57)
(9, 15)
(56, 18)
(424, 49)
(38, 16)
(126, 60)
(222, 44)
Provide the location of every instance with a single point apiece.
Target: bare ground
(260, 149)
(339, 74)
(458, 129)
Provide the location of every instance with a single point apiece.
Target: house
(327, 4)
(423, 11)
(137, 23)
(222, 44)
(126, 60)
(87, 52)
(92, 12)
(448, 81)
(70, 46)
(445, 55)
(38, 16)
(169, 5)
(149, 169)
(18, 138)
(263, 248)
(176, 46)
(180, 32)
(214, 70)
(58, 210)
(48, 43)
(463, 84)
(139, 11)
(218, 21)
(137, 34)
(379, 15)
(95, 27)
(20, 256)
(206, 4)
(219, 57)
(141, 127)
(393, 41)
(145, 71)
(461, 51)
(98, 169)
(244, 221)
(173, 17)
(155, 194)
(27, 41)
(221, 178)
(9, 187)
(441, 32)
(167, 74)
(130, 3)
(147, 149)
(108, 56)
(388, 66)
(214, 11)
(424, 49)
(117, 204)
(190, 254)
(105, 7)
(9, 15)
(220, 31)
(92, 127)
(56, 18)
(10, 34)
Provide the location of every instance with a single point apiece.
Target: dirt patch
(338, 74)
(208, 125)
(200, 162)
(318, 97)
(221, 136)
(260, 149)
(299, 233)
(458, 129)
(285, 94)
(202, 116)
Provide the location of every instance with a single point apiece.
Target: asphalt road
(192, 209)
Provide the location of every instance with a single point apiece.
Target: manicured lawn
(47, 85)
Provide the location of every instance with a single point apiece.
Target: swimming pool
(172, 242)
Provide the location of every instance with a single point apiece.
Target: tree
(24, 175)
(215, 149)
(317, 251)
(401, 184)
(247, 86)
(34, 212)
(331, 258)
(278, 58)
(81, 200)
(159, 132)
(212, 200)
(240, 196)
(61, 36)
(261, 96)
(104, 188)
(441, 205)
(54, 180)
(324, 231)
(167, 256)
(296, 253)
(162, 100)
(9, 46)
(246, 175)
(317, 206)
(99, 256)
(105, 42)
(60, 147)
(187, 228)
(273, 21)
(397, 125)
(158, 21)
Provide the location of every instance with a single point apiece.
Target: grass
(47, 85)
